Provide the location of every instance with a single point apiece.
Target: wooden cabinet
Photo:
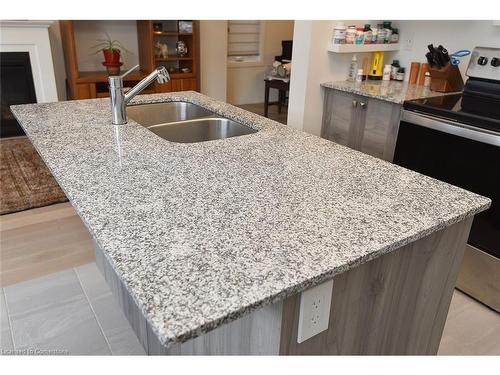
(365, 124)
(170, 35)
(183, 84)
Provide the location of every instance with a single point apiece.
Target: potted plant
(111, 49)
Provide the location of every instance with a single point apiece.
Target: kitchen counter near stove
(209, 245)
(391, 91)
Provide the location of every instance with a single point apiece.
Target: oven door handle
(454, 128)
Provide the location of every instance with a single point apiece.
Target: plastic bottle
(388, 31)
(400, 75)
(360, 35)
(359, 76)
(350, 36)
(386, 74)
(394, 69)
(339, 33)
(374, 35)
(353, 68)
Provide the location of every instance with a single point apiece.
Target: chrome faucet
(119, 99)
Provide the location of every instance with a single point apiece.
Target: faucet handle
(163, 76)
(129, 71)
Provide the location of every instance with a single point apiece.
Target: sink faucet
(119, 99)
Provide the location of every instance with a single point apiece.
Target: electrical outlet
(408, 42)
(314, 310)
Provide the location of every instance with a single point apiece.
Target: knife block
(447, 79)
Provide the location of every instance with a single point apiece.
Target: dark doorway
(16, 87)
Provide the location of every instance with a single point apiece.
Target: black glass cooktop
(449, 107)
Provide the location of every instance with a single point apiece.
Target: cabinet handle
(354, 103)
(362, 105)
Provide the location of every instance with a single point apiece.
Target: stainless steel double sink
(185, 122)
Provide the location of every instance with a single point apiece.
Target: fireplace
(17, 87)
(27, 69)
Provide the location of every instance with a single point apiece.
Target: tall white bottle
(353, 68)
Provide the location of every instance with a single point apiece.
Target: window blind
(243, 38)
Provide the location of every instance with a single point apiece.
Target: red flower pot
(111, 57)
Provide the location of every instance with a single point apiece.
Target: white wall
(87, 33)
(58, 59)
(213, 59)
(245, 80)
(316, 65)
(298, 84)
(454, 35)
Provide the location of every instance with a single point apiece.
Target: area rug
(25, 181)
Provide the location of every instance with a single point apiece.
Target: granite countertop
(391, 91)
(203, 233)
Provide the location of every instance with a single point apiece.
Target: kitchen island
(208, 246)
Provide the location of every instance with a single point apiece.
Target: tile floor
(74, 312)
(68, 312)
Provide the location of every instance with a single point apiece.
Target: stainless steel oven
(468, 157)
(456, 138)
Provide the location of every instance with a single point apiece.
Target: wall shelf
(174, 58)
(360, 48)
(171, 33)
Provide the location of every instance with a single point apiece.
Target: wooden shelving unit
(170, 34)
(88, 85)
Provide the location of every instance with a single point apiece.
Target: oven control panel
(484, 63)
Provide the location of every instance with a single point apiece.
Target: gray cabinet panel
(365, 124)
(338, 114)
(381, 125)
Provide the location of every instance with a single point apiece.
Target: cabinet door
(188, 84)
(163, 87)
(183, 84)
(338, 116)
(380, 128)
